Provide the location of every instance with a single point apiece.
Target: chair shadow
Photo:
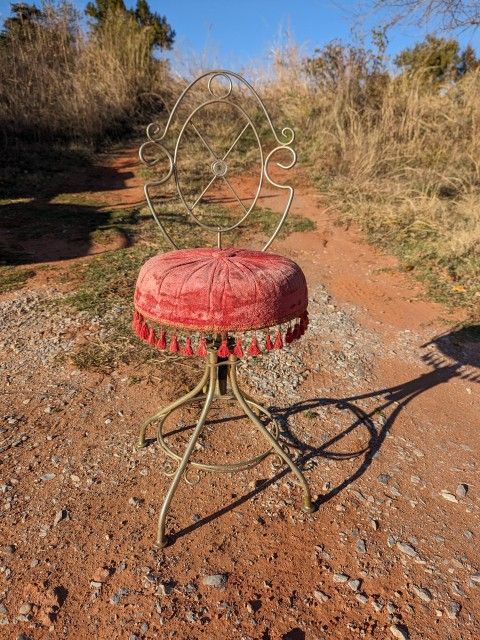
(456, 355)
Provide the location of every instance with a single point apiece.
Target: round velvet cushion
(217, 290)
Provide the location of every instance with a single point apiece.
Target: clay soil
(379, 401)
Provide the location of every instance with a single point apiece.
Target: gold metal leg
(211, 372)
(219, 381)
(307, 500)
(177, 403)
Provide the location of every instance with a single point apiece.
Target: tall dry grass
(401, 157)
(58, 84)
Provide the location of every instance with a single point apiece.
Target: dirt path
(380, 398)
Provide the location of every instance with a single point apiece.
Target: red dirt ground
(386, 416)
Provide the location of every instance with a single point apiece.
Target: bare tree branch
(453, 14)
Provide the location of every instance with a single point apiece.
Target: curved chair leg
(177, 403)
(245, 394)
(307, 500)
(162, 539)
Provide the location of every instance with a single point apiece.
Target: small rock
(74, 478)
(391, 607)
(253, 606)
(354, 584)
(320, 596)
(23, 636)
(475, 578)
(374, 524)
(218, 580)
(384, 478)
(399, 631)
(361, 546)
(423, 594)
(101, 574)
(63, 514)
(94, 584)
(134, 501)
(446, 495)
(468, 534)
(453, 609)
(391, 541)
(461, 490)
(340, 577)
(377, 605)
(407, 549)
(151, 578)
(362, 598)
(115, 599)
(165, 588)
(25, 609)
(191, 616)
(47, 476)
(7, 549)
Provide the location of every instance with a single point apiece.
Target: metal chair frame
(219, 379)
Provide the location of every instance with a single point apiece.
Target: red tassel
(289, 336)
(268, 343)
(237, 350)
(174, 344)
(144, 332)
(202, 347)
(305, 319)
(223, 350)
(152, 338)
(162, 340)
(187, 349)
(296, 331)
(254, 349)
(278, 344)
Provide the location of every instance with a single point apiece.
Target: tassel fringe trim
(230, 344)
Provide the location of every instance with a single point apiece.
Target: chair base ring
(234, 467)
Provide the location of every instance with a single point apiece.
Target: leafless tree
(452, 14)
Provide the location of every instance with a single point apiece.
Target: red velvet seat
(220, 291)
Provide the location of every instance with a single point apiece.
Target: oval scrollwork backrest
(154, 149)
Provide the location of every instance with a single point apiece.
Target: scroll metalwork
(154, 149)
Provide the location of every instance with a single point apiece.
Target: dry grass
(402, 161)
(79, 88)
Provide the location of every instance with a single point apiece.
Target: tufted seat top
(215, 290)
(219, 292)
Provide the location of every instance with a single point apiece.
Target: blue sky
(237, 32)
